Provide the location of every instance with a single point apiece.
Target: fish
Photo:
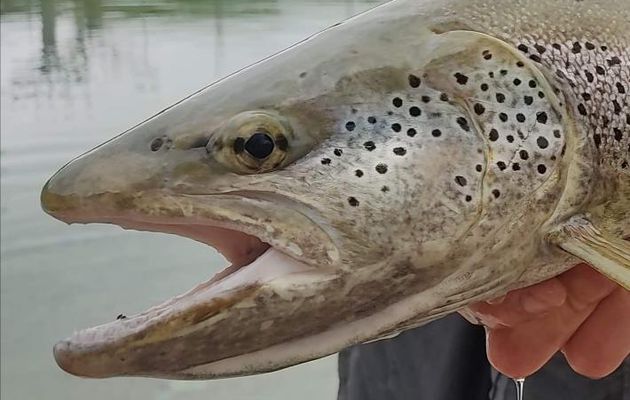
(381, 174)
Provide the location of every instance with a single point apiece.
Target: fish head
(339, 178)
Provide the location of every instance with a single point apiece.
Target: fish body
(386, 172)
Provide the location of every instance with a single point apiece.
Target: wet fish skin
(425, 156)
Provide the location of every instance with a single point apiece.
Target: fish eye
(252, 142)
(260, 145)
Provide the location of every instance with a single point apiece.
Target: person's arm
(581, 313)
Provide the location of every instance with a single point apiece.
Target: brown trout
(381, 174)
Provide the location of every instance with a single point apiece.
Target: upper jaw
(286, 228)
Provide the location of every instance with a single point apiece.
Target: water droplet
(519, 382)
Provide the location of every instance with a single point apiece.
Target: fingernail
(498, 300)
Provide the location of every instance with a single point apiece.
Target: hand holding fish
(581, 313)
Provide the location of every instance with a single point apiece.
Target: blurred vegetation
(134, 9)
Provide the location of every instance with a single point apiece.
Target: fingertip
(590, 367)
(513, 355)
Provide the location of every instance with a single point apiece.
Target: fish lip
(118, 348)
(71, 354)
(274, 219)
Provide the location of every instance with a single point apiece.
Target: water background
(73, 74)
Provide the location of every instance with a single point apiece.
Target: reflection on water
(73, 74)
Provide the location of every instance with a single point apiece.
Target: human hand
(581, 313)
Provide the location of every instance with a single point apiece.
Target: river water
(73, 74)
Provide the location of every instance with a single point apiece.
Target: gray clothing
(446, 360)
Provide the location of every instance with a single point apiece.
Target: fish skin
(403, 215)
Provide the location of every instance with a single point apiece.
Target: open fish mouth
(229, 315)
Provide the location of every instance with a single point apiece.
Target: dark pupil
(259, 145)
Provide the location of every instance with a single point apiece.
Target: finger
(543, 297)
(586, 286)
(523, 349)
(603, 340)
(521, 305)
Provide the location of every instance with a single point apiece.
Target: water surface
(75, 73)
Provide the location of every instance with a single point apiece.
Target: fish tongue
(270, 265)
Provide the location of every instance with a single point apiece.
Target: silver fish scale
(590, 61)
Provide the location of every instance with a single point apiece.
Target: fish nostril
(157, 144)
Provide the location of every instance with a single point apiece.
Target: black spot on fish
(411, 132)
(503, 117)
(415, 111)
(479, 109)
(463, 123)
(493, 135)
(618, 134)
(542, 168)
(540, 49)
(500, 97)
(523, 48)
(577, 47)
(436, 133)
(541, 117)
(461, 181)
(501, 165)
(414, 81)
(358, 173)
(381, 168)
(326, 161)
(589, 76)
(516, 166)
(523, 154)
(338, 152)
(461, 78)
(582, 109)
(517, 82)
(369, 145)
(397, 102)
(400, 151)
(542, 142)
(350, 125)
(496, 193)
(353, 201)
(385, 189)
(520, 117)
(479, 167)
(529, 100)
(396, 127)
(371, 120)
(613, 61)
